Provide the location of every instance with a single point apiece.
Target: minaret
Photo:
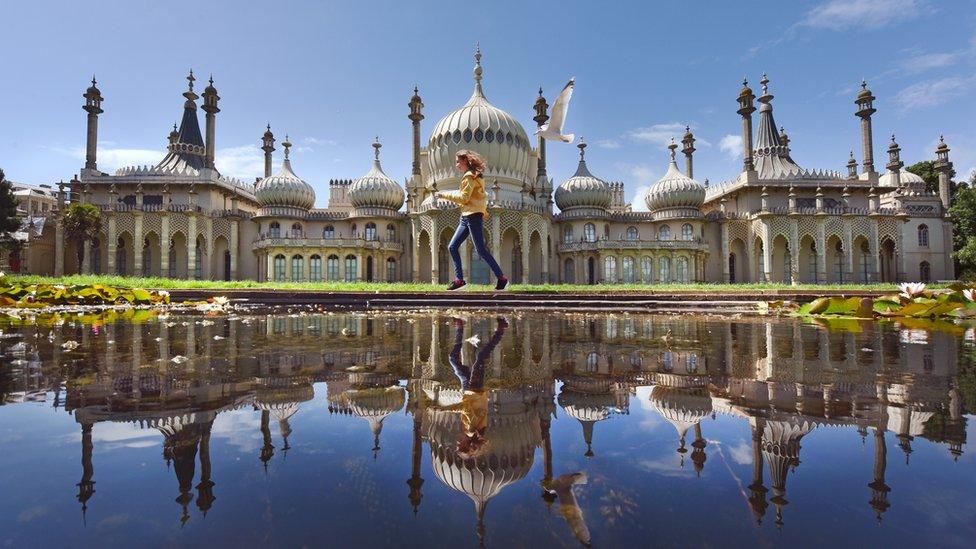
(784, 139)
(267, 450)
(852, 167)
(689, 148)
(267, 145)
(415, 116)
(757, 499)
(865, 108)
(546, 424)
(93, 105)
(746, 108)
(541, 117)
(205, 495)
(944, 167)
(86, 488)
(879, 490)
(698, 455)
(210, 99)
(174, 135)
(415, 482)
(894, 162)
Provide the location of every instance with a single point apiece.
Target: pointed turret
(267, 145)
(746, 108)
(188, 151)
(772, 155)
(944, 167)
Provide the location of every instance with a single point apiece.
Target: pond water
(295, 428)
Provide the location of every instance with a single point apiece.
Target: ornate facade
(774, 222)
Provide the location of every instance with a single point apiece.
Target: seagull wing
(560, 106)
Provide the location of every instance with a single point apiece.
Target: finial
(269, 126)
(93, 80)
(582, 148)
(477, 63)
(286, 144)
(416, 90)
(765, 84)
(190, 79)
(540, 91)
(864, 84)
(211, 79)
(673, 147)
(893, 139)
(174, 126)
(376, 148)
(745, 82)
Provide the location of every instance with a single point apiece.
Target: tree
(82, 223)
(963, 213)
(926, 170)
(9, 222)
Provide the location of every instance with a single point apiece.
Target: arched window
(391, 270)
(568, 234)
(628, 270)
(391, 232)
(631, 233)
(297, 268)
(687, 232)
(569, 272)
(664, 270)
(352, 269)
(332, 267)
(812, 260)
(315, 268)
(279, 268)
(96, 259)
(274, 230)
(839, 261)
(589, 232)
(610, 269)
(664, 232)
(611, 328)
(762, 262)
(923, 236)
(647, 269)
(732, 278)
(146, 258)
(681, 270)
(592, 362)
(924, 272)
(864, 268)
(328, 232)
(371, 231)
(296, 230)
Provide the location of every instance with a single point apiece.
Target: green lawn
(170, 284)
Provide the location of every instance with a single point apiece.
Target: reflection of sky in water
(334, 486)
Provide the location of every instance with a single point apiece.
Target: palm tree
(82, 223)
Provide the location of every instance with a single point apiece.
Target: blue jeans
(474, 225)
(472, 377)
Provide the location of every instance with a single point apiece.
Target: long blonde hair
(476, 162)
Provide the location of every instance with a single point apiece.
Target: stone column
(234, 245)
(191, 248)
(545, 255)
(112, 244)
(59, 245)
(754, 274)
(86, 260)
(767, 253)
(207, 265)
(726, 274)
(849, 250)
(164, 244)
(901, 262)
(415, 252)
(466, 259)
(821, 252)
(269, 274)
(434, 252)
(137, 243)
(525, 250)
(874, 249)
(794, 252)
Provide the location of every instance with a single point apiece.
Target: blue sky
(334, 74)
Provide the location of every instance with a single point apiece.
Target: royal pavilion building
(774, 222)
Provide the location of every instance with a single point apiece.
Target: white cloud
(931, 93)
(245, 162)
(840, 15)
(608, 144)
(741, 453)
(658, 134)
(921, 62)
(111, 159)
(319, 141)
(731, 145)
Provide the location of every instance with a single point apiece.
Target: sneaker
(456, 284)
(502, 283)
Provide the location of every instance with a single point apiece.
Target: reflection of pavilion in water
(784, 379)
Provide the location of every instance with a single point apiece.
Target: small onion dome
(865, 92)
(583, 190)
(375, 189)
(907, 179)
(746, 90)
(675, 190)
(682, 408)
(285, 189)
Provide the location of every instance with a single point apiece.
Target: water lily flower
(970, 294)
(220, 300)
(69, 345)
(912, 290)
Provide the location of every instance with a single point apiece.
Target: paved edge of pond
(687, 301)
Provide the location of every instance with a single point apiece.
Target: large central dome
(485, 129)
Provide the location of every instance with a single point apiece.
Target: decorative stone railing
(265, 241)
(694, 244)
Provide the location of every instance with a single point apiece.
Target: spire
(287, 145)
(582, 149)
(478, 92)
(772, 154)
(376, 149)
(852, 167)
(673, 147)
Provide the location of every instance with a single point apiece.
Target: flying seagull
(553, 130)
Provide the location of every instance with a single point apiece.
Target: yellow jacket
(470, 196)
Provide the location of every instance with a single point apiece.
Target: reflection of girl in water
(474, 402)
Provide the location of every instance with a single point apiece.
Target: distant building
(35, 205)
(774, 222)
